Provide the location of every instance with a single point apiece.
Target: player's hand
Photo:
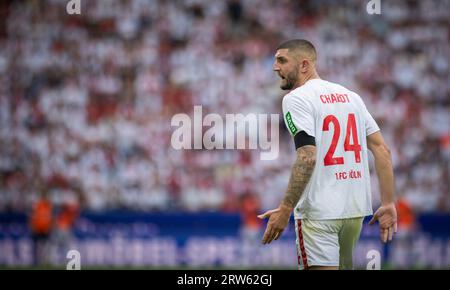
(387, 217)
(278, 220)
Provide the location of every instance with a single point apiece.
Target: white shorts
(327, 242)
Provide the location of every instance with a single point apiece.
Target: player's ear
(304, 65)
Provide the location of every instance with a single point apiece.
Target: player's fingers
(265, 237)
(270, 237)
(274, 234)
(374, 217)
(384, 235)
(267, 214)
(395, 227)
(267, 234)
(278, 235)
(264, 215)
(372, 221)
(391, 233)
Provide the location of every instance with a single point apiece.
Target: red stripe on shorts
(302, 245)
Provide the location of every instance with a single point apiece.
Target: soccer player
(329, 187)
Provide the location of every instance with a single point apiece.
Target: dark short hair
(299, 45)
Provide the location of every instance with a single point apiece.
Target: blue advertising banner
(207, 240)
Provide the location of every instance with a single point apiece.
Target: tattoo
(301, 173)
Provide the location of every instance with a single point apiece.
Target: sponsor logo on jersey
(290, 123)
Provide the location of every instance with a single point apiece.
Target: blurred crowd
(86, 100)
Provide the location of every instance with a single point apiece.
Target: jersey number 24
(351, 131)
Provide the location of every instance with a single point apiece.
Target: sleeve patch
(291, 124)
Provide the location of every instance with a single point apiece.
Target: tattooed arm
(301, 173)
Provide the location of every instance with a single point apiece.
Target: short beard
(291, 80)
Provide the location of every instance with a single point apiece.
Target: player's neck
(307, 77)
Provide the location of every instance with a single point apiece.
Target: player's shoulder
(341, 88)
(295, 98)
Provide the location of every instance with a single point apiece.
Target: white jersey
(338, 119)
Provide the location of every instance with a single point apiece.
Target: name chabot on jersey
(334, 98)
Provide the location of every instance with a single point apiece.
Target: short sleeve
(298, 115)
(371, 124)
